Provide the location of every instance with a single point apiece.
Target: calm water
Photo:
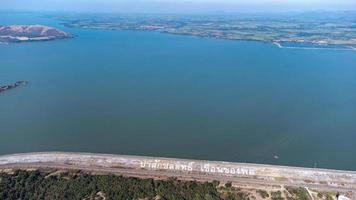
(148, 93)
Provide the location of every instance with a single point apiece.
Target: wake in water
(315, 48)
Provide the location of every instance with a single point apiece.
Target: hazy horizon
(178, 6)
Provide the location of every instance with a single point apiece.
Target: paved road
(252, 175)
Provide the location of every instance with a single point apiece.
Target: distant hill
(23, 33)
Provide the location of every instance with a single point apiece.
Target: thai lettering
(189, 167)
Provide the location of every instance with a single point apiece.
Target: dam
(253, 175)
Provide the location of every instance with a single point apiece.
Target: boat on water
(12, 86)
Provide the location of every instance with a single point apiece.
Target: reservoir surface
(148, 93)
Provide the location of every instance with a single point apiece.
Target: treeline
(79, 185)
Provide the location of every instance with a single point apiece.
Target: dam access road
(239, 174)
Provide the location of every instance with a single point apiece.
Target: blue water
(147, 93)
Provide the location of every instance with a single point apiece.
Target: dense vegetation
(79, 185)
(31, 185)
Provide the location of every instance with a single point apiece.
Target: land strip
(321, 31)
(239, 174)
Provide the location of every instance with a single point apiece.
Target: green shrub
(276, 195)
(298, 193)
(263, 193)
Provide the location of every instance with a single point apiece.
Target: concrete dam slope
(241, 174)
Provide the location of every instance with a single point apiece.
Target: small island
(12, 86)
(25, 33)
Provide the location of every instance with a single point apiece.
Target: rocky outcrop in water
(12, 86)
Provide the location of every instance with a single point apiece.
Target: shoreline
(344, 48)
(108, 155)
(185, 169)
(279, 45)
(350, 48)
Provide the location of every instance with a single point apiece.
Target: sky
(151, 6)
